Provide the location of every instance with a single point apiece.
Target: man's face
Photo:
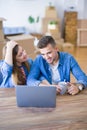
(49, 53)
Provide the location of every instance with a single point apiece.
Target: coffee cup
(63, 86)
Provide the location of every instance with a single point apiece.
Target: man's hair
(45, 40)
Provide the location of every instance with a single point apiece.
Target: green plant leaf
(31, 19)
(53, 22)
(37, 19)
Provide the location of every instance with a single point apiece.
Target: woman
(16, 65)
(1, 76)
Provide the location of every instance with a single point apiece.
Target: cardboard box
(82, 23)
(1, 30)
(82, 37)
(1, 50)
(54, 31)
(82, 32)
(50, 12)
(1, 36)
(27, 42)
(61, 40)
(56, 36)
(68, 47)
(45, 22)
(1, 22)
(59, 44)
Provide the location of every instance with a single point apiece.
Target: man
(56, 67)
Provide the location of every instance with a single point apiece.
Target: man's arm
(33, 78)
(75, 88)
(78, 73)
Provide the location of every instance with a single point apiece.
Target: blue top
(1, 76)
(6, 71)
(67, 64)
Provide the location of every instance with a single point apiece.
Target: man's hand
(73, 89)
(58, 89)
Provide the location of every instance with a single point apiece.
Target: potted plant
(52, 24)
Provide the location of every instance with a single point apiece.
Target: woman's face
(21, 55)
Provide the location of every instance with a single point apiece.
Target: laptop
(33, 96)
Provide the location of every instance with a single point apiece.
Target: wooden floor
(80, 54)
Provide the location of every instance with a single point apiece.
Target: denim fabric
(67, 64)
(6, 71)
(1, 76)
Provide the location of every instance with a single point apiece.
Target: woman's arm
(9, 49)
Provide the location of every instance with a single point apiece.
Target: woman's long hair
(17, 75)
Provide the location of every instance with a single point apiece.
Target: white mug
(63, 86)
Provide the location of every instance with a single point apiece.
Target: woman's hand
(11, 44)
(9, 51)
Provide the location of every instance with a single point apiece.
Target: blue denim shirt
(1, 76)
(6, 71)
(67, 64)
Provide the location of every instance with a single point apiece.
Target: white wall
(85, 9)
(17, 11)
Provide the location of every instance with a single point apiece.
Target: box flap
(2, 19)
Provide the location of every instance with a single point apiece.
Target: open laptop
(33, 96)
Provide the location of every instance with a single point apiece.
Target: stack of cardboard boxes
(50, 18)
(51, 25)
(1, 31)
(53, 29)
(2, 40)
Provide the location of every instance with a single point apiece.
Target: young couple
(49, 68)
